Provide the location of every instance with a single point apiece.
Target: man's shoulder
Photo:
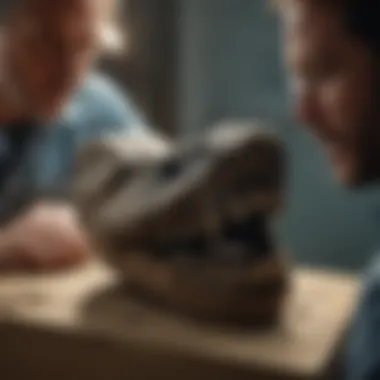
(101, 90)
(369, 301)
(363, 349)
(100, 106)
(372, 272)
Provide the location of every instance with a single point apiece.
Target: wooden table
(80, 325)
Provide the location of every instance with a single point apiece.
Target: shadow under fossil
(126, 310)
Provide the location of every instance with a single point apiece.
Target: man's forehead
(51, 8)
(46, 16)
(305, 22)
(312, 33)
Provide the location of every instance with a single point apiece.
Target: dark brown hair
(360, 17)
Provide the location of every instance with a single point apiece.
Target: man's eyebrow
(28, 23)
(36, 26)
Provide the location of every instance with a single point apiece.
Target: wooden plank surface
(89, 305)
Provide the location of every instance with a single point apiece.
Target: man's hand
(47, 237)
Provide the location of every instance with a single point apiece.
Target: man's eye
(34, 41)
(324, 71)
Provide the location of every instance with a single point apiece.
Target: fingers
(38, 254)
(43, 241)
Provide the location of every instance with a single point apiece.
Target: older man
(51, 103)
(333, 51)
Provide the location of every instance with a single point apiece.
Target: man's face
(335, 89)
(50, 47)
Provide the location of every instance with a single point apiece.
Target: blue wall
(232, 68)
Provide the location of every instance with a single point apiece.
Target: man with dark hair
(51, 103)
(333, 50)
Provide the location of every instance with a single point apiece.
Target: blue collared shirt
(363, 360)
(97, 110)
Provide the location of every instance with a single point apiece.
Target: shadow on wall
(232, 68)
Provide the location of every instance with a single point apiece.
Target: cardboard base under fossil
(188, 224)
